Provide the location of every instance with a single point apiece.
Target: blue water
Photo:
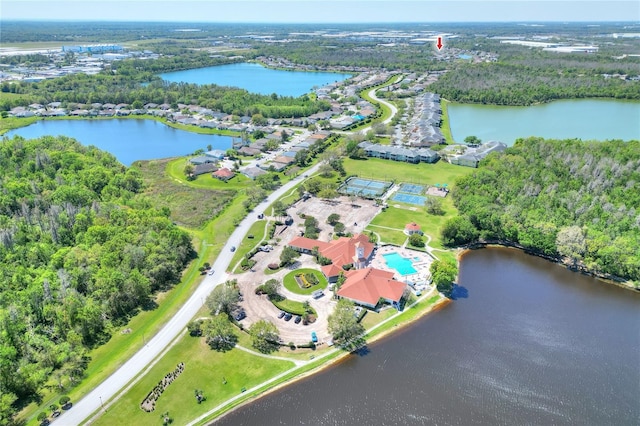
(586, 119)
(257, 79)
(127, 139)
(462, 56)
(401, 264)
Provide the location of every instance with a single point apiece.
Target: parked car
(317, 294)
(287, 316)
(298, 319)
(314, 337)
(240, 315)
(281, 314)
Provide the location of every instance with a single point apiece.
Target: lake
(127, 139)
(586, 119)
(526, 342)
(256, 78)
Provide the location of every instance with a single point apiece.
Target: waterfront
(586, 119)
(525, 342)
(256, 78)
(127, 139)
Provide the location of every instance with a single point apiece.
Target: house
(203, 168)
(223, 174)
(217, 154)
(201, 159)
(246, 150)
(253, 172)
(412, 228)
(368, 286)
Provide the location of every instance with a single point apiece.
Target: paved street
(110, 387)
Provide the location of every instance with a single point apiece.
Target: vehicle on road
(233, 248)
(211, 272)
(317, 294)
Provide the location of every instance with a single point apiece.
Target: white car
(211, 272)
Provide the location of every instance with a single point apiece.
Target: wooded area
(580, 200)
(80, 251)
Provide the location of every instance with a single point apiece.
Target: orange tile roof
(412, 226)
(223, 173)
(331, 270)
(343, 250)
(307, 243)
(369, 285)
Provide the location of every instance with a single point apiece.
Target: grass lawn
(10, 123)
(175, 171)
(422, 173)
(290, 283)
(445, 126)
(247, 244)
(292, 306)
(205, 370)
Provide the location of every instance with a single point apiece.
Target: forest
(81, 252)
(574, 200)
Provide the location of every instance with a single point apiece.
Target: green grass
(204, 369)
(291, 306)
(11, 123)
(208, 241)
(175, 171)
(247, 244)
(398, 217)
(446, 126)
(422, 173)
(290, 283)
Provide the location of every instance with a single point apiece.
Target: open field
(204, 369)
(258, 230)
(422, 173)
(190, 207)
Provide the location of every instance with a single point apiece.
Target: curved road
(109, 388)
(129, 370)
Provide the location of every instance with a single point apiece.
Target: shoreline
(605, 278)
(378, 338)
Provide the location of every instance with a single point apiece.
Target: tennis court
(364, 187)
(409, 198)
(410, 188)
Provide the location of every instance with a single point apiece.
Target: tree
(472, 140)
(219, 334)
(188, 170)
(288, 256)
(339, 228)
(571, 243)
(333, 219)
(195, 328)
(433, 205)
(443, 273)
(223, 298)
(264, 336)
(458, 230)
(416, 240)
(327, 192)
(325, 170)
(345, 328)
(279, 208)
(272, 287)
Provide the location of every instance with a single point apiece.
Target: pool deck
(421, 266)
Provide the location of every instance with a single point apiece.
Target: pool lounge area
(401, 264)
(407, 265)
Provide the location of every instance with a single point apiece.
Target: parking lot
(355, 217)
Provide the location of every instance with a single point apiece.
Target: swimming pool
(401, 264)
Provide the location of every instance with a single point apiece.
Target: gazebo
(412, 228)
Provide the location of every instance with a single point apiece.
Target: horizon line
(564, 21)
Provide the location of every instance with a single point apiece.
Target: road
(93, 401)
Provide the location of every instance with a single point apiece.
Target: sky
(314, 11)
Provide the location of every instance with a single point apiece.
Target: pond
(127, 139)
(256, 78)
(525, 342)
(586, 119)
